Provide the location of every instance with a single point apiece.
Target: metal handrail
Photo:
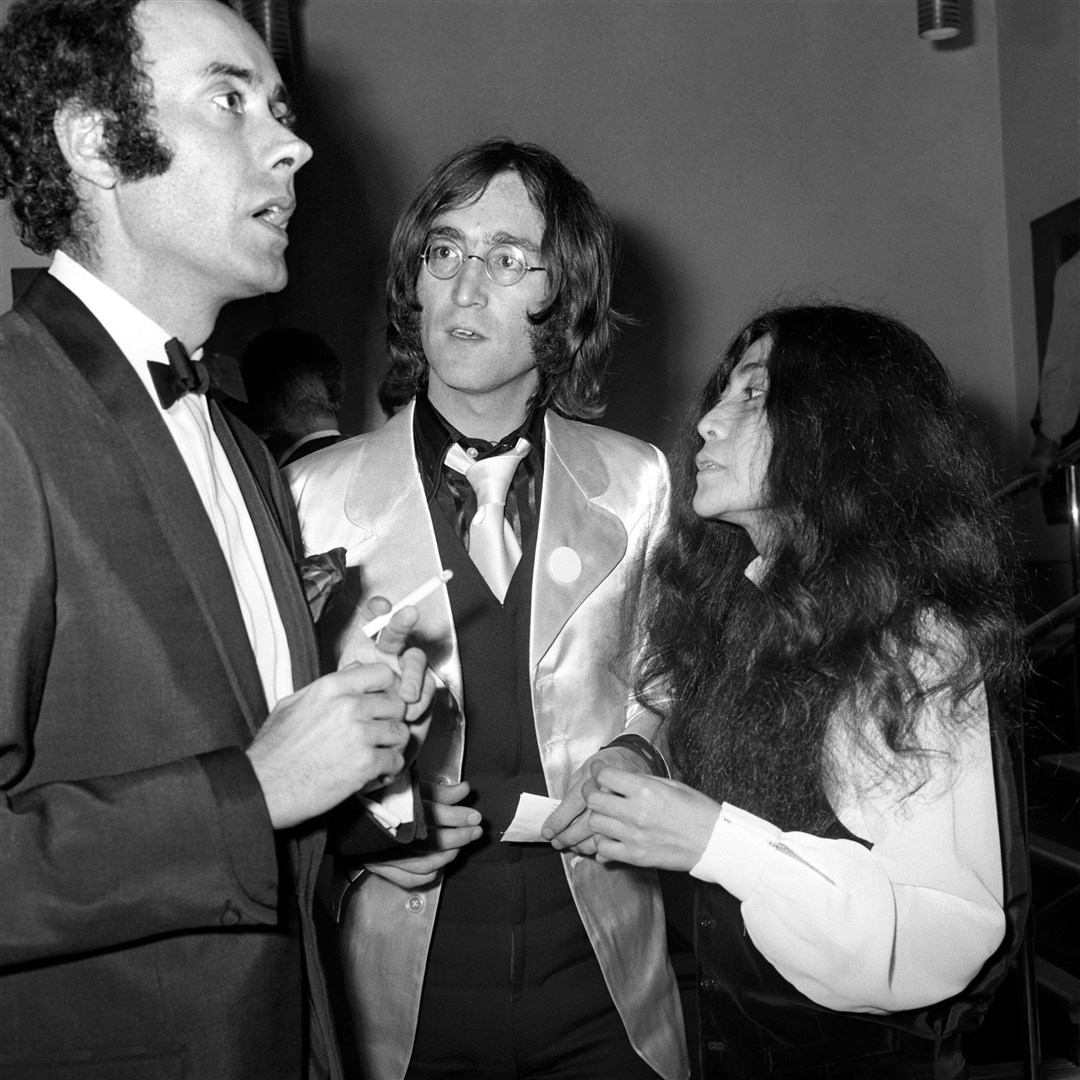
(1065, 456)
(1051, 620)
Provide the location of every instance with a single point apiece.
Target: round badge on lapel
(565, 565)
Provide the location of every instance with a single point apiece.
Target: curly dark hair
(886, 549)
(82, 53)
(573, 333)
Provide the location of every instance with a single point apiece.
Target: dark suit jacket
(151, 924)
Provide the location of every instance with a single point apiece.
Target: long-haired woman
(832, 623)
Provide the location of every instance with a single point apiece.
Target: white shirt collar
(755, 571)
(138, 337)
(306, 439)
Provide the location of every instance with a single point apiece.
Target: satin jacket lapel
(571, 517)
(265, 497)
(187, 532)
(386, 498)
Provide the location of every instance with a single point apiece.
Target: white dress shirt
(140, 339)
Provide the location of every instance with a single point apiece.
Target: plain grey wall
(746, 149)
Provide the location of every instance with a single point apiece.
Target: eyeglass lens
(504, 263)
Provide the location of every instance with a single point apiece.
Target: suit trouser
(513, 988)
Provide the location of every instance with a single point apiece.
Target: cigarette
(418, 594)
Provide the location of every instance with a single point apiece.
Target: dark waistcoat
(491, 886)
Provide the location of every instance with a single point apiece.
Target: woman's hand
(648, 820)
(567, 827)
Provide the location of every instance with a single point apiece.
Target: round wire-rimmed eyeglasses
(504, 263)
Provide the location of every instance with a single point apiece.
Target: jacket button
(415, 904)
(230, 916)
(707, 924)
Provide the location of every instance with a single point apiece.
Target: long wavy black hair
(886, 549)
(576, 326)
(83, 53)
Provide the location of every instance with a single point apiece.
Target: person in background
(476, 957)
(165, 757)
(1058, 421)
(830, 627)
(294, 384)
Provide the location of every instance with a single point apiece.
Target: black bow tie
(182, 375)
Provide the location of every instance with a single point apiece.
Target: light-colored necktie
(493, 547)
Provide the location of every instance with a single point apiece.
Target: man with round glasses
(540, 960)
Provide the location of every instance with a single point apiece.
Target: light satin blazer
(604, 501)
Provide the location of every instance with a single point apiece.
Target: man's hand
(417, 685)
(648, 820)
(568, 826)
(1043, 455)
(450, 828)
(329, 740)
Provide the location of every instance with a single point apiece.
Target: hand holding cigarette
(373, 627)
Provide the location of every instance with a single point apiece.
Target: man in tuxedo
(294, 384)
(164, 752)
(477, 957)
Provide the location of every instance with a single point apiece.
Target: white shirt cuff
(740, 847)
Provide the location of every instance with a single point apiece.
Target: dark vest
(754, 1023)
(496, 883)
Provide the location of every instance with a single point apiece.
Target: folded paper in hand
(532, 812)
